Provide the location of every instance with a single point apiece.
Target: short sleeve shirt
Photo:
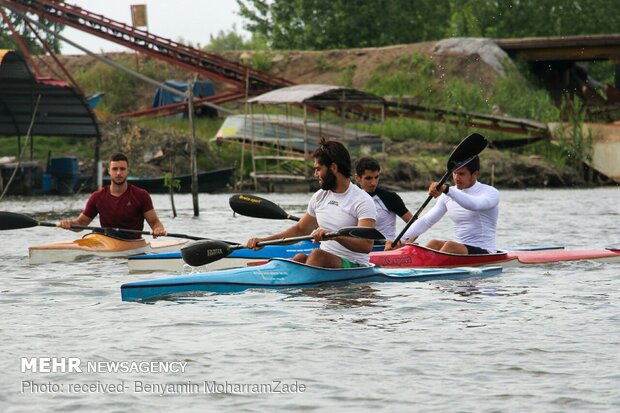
(337, 210)
(125, 211)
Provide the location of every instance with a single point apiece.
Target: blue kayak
(172, 261)
(282, 273)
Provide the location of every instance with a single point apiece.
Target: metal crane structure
(245, 81)
(195, 60)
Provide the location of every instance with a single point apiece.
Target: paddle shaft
(281, 241)
(13, 220)
(207, 251)
(442, 181)
(369, 234)
(130, 231)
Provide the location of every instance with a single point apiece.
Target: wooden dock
(605, 146)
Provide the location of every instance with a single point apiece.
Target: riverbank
(407, 165)
(466, 71)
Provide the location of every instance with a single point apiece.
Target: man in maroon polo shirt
(119, 205)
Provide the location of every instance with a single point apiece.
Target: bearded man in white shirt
(339, 203)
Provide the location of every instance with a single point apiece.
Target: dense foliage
(24, 29)
(231, 40)
(336, 24)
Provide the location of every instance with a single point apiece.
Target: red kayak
(413, 255)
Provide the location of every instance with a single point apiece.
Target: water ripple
(537, 338)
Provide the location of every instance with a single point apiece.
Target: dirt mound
(154, 152)
(472, 60)
(414, 164)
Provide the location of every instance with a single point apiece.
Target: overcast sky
(190, 20)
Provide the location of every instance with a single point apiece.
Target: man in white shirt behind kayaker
(339, 203)
(473, 208)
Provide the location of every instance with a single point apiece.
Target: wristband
(445, 191)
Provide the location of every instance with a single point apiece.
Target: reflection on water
(55, 216)
(345, 296)
(333, 296)
(471, 289)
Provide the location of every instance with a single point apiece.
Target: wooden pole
(190, 113)
(97, 169)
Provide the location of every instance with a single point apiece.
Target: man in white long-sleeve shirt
(473, 208)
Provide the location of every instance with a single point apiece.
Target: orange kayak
(98, 245)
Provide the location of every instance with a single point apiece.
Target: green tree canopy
(232, 40)
(334, 24)
(23, 29)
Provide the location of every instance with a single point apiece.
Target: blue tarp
(202, 88)
(93, 100)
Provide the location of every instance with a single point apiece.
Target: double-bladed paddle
(12, 220)
(464, 153)
(207, 251)
(257, 207)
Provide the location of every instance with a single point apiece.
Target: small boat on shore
(413, 255)
(281, 273)
(216, 180)
(98, 245)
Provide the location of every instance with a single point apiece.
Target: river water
(537, 338)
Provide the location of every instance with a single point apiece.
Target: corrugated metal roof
(290, 132)
(62, 110)
(316, 94)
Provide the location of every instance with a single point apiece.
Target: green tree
(24, 31)
(325, 24)
(232, 40)
(528, 18)
(333, 24)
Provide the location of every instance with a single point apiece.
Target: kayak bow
(97, 245)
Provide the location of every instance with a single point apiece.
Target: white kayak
(99, 245)
(173, 262)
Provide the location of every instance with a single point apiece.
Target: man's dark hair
(473, 165)
(330, 152)
(117, 156)
(367, 164)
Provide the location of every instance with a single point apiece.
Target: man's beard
(329, 182)
(119, 183)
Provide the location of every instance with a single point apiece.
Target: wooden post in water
(190, 113)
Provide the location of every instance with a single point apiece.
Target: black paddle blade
(257, 207)
(11, 220)
(362, 232)
(204, 252)
(472, 145)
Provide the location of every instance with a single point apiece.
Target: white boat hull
(98, 245)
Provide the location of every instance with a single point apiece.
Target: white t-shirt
(473, 212)
(337, 210)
